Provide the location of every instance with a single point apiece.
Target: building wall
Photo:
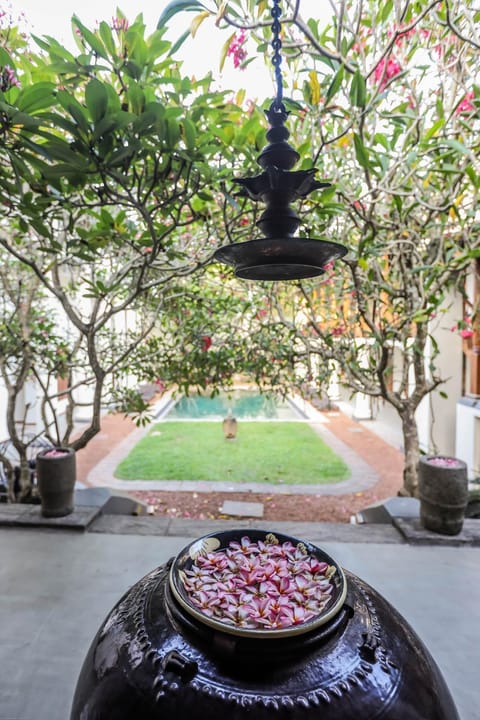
(3, 408)
(436, 415)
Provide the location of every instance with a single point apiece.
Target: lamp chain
(277, 58)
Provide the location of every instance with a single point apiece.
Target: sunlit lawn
(268, 452)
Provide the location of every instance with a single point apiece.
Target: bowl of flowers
(257, 583)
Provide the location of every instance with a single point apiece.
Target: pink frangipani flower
(259, 585)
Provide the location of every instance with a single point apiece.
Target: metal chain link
(277, 46)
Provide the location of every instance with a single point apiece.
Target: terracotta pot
(443, 491)
(56, 481)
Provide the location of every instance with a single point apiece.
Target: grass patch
(290, 453)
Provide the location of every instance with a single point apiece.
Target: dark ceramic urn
(56, 477)
(153, 660)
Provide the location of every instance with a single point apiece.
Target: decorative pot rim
(184, 559)
(63, 450)
(456, 463)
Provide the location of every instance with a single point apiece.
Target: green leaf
(474, 178)
(358, 90)
(134, 70)
(455, 145)
(361, 151)
(224, 51)
(136, 98)
(382, 140)
(178, 43)
(60, 150)
(119, 157)
(386, 10)
(94, 42)
(189, 133)
(173, 132)
(157, 45)
(431, 132)
(72, 106)
(107, 37)
(5, 58)
(177, 6)
(336, 83)
(36, 97)
(96, 98)
(104, 127)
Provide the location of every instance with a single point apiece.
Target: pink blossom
(259, 584)
(465, 105)
(8, 78)
(401, 34)
(55, 453)
(237, 50)
(385, 71)
(464, 327)
(445, 462)
(119, 24)
(206, 342)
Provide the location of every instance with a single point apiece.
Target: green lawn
(269, 452)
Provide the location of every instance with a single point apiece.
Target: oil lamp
(280, 254)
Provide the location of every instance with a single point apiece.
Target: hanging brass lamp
(280, 254)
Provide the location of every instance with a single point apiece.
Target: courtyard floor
(56, 587)
(375, 465)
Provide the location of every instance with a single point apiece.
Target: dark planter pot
(153, 660)
(443, 494)
(56, 482)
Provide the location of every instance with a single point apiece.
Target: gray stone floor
(57, 586)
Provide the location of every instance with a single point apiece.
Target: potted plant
(56, 475)
(443, 490)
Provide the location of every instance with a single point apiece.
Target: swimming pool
(241, 403)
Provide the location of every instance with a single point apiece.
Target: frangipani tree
(386, 101)
(213, 334)
(110, 176)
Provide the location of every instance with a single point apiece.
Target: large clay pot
(443, 491)
(153, 660)
(56, 477)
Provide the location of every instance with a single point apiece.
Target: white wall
(437, 415)
(468, 434)
(3, 411)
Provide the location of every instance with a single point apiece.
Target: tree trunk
(24, 479)
(412, 453)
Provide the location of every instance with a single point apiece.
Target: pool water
(242, 404)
